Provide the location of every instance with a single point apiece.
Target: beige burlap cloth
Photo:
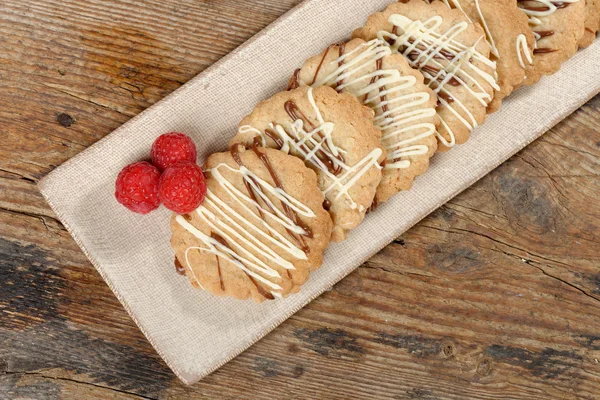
(195, 332)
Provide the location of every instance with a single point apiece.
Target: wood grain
(494, 296)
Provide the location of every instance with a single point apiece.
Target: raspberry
(171, 148)
(137, 187)
(182, 187)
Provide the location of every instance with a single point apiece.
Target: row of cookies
(357, 124)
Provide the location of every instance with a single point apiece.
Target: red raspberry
(182, 187)
(171, 148)
(137, 187)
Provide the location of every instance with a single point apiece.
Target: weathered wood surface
(494, 296)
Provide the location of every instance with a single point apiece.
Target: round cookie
(592, 22)
(510, 37)
(335, 136)
(452, 54)
(404, 106)
(261, 229)
(558, 26)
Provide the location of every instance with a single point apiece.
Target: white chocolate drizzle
(306, 144)
(545, 9)
(523, 50)
(424, 46)
(488, 33)
(521, 41)
(398, 118)
(489, 38)
(251, 233)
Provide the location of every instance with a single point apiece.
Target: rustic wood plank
(494, 296)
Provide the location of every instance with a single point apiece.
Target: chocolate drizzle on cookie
(340, 82)
(402, 114)
(324, 153)
(542, 8)
(291, 214)
(246, 225)
(543, 50)
(311, 140)
(247, 183)
(261, 291)
(295, 114)
(251, 184)
(271, 134)
(374, 79)
(294, 82)
(179, 268)
(391, 40)
(438, 74)
(543, 34)
(382, 90)
(342, 48)
(442, 54)
(223, 242)
(374, 206)
(445, 63)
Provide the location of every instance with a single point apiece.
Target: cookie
(592, 22)
(261, 229)
(335, 136)
(510, 38)
(404, 106)
(558, 28)
(452, 54)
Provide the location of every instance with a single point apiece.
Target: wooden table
(494, 296)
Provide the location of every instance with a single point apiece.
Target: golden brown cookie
(335, 136)
(261, 229)
(592, 22)
(404, 106)
(558, 26)
(452, 54)
(509, 35)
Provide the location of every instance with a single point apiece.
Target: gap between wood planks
(55, 378)
(41, 217)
